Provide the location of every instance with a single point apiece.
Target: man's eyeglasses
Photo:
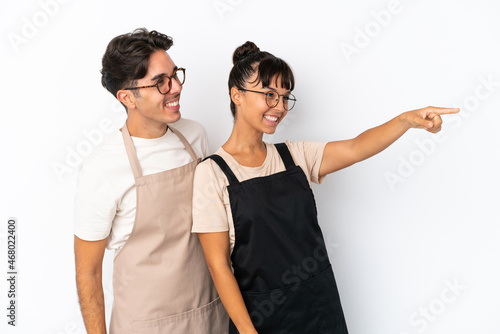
(164, 83)
(273, 98)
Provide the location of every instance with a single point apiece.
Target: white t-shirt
(105, 201)
(211, 206)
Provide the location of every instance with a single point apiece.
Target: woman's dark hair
(248, 59)
(127, 57)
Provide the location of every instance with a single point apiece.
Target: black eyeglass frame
(163, 77)
(290, 97)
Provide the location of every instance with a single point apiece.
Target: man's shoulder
(106, 154)
(188, 126)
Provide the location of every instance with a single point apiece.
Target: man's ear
(236, 96)
(127, 98)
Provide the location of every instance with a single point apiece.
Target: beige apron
(160, 280)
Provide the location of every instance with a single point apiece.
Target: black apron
(279, 258)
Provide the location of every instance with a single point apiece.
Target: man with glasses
(134, 197)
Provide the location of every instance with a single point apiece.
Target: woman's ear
(236, 96)
(127, 98)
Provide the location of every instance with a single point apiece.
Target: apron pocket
(208, 319)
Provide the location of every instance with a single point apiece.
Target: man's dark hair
(127, 57)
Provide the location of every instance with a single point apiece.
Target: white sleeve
(95, 205)
(204, 143)
(209, 209)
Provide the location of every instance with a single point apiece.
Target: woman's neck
(246, 147)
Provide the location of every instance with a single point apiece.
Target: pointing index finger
(444, 111)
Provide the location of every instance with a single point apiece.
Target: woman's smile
(272, 119)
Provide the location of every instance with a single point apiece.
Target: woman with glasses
(254, 210)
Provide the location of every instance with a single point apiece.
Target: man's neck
(141, 128)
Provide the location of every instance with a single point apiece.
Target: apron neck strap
(224, 167)
(131, 152)
(285, 155)
(184, 141)
(282, 150)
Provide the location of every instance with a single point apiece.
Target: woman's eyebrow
(274, 89)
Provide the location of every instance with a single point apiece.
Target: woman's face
(253, 111)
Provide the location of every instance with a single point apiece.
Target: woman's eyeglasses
(273, 98)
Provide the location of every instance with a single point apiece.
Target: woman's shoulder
(306, 152)
(302, 147)
(208, 165)
(209, 175)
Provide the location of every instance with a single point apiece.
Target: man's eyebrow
(158, 76)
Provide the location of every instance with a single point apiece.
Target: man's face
(153, 108)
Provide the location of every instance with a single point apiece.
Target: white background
(418, 254)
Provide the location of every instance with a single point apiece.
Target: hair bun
(244, 51)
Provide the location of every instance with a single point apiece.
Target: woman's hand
(428, 118)
(216, 248)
